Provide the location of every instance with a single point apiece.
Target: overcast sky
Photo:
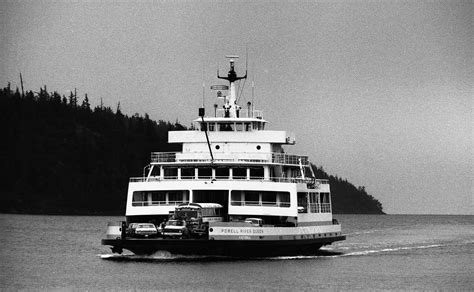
(378, 92)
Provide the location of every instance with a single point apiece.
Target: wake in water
(392, 249)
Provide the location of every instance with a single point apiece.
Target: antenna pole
(203, 89)
(246, 59)
(253, 89)
(203, 93)
(22, 90)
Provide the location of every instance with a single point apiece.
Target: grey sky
(378, 92)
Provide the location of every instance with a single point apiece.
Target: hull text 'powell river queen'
(231, 191)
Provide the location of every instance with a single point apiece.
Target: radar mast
(231, 108)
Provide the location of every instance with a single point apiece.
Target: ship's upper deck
(274, 137)
(247, 126)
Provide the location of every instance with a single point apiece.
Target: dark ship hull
(240, 248)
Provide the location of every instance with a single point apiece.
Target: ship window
(157, 198)
(226, 127)
(252, 198)
(204, 172)
(155, 171)
(222, 173)
(258, 125)
(314, 206)
(236, 198)
(170, 172)
(313, 198)
(239, 173)
(248, 127)
(138, 198)
(175, 197)
(284, 198)
(239, 127)
(212, 127)
(256, 173)
(325, 204)
(324, 198)
(268, 198)
(187, 173)
(302, 203)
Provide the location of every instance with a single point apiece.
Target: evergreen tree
(85, 103)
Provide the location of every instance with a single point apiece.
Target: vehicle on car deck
(258, 222)
(175, 229)
(146, 230)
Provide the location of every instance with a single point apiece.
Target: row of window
(232, 126)
(157, 198)
(311, 202)
(260, 198)
(206, 172)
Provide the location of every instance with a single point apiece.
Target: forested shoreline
(60, 156)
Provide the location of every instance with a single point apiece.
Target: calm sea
(381, 252)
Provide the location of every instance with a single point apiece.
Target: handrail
(313, 207)
(243, 113)
(260, 203)
(237, 178)
(157, 203)
(271, 158)
(320, 207)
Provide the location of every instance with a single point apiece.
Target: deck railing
(261, 204)
(243, 113)
(239, 178)
(283, 158)
(157, 203)
(204, 157)
(163, 156)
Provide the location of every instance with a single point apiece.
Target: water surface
(381, 252)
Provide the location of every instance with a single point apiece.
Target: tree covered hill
(60, 156)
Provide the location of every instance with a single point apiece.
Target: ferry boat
(233, 190)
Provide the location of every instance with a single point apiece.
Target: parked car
(146, 230)
(257, 222)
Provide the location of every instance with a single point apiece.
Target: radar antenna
(232, 75)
